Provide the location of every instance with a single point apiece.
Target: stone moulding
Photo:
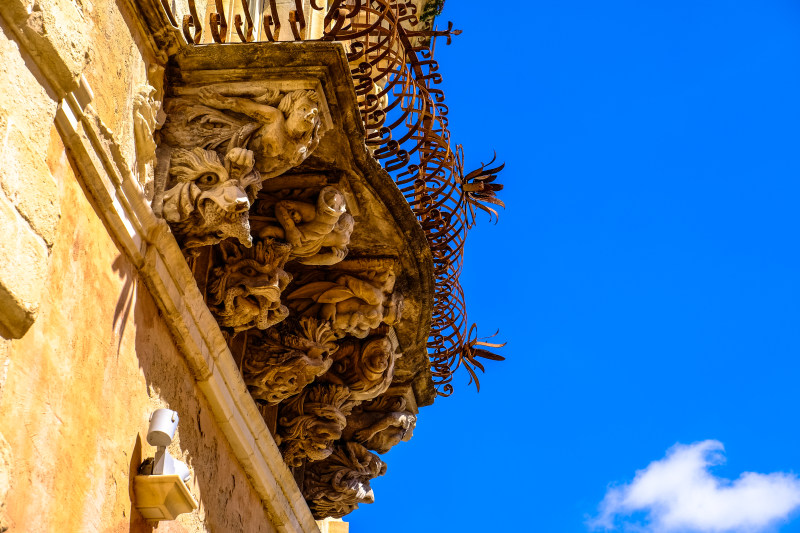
(147, 241)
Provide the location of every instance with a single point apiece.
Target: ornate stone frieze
(246, 288)
(334, 487)
(354, 303)
(366, 367)
(318, 232)
(309, 423)
(382, 423)
(279, 365)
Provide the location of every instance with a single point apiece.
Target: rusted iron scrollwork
(395, 78)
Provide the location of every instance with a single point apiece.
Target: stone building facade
(207, 229)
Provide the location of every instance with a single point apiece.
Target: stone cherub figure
(208, 201)
(352, 305)
(282, 130)
(319, 234)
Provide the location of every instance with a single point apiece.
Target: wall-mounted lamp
(161, 493)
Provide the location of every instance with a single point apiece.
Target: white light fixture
(163, 494)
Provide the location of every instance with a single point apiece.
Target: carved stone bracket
(279, 365)
(309, 423)
(353, 302)
(334, 487)
(384, 422)
(365, 367)
(246, 288)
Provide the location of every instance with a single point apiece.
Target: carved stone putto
(319, 233)
(280, 365)
(246, 289)
(309, 423)
(365, 367)
(281, 129)
(382, 423)
(334, 487)
(353, 305)
(207, 201)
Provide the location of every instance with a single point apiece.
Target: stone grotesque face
(365, 367)
(280, 365)
(309, 423)
(334, 487)
(384, 422)
(247, 287)
(207, 203)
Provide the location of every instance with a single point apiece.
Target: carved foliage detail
(334, 487)
(246, 289)
(280, 365)
(309, 423)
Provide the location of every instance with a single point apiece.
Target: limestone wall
(85, 355)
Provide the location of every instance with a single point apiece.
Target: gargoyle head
(280, 365)
(206, 204)
(309, 423)
(247, 288)
(334, 487)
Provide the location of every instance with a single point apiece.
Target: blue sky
(645, 274)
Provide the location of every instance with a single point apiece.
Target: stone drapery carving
(206, 200)
(319, 233)
(309, 423)
(281, 129)
(353, 304)
(334, 487)
(279, 365)
(246, 289)
(365, 367)
(382, 423)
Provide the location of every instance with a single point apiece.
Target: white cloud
(678, 494)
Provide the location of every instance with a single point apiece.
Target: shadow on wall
(227, 501)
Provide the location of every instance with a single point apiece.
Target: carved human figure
(309, 423)
(334, 487)
(207, 202)
(384, 422)
(246, 289)
(353, 306)
(147, 117)
(281, 136)
(365, 367)
(319, 234)
(278, 365)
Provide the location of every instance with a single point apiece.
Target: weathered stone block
(27, 182)
(54, 33)
(23, 272)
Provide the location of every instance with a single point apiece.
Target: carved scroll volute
(353, 304)
(365, 367)
(336, 486)
(279, 365)
(309, 423)
(384, 422)
(246, 288)
(317, 232)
